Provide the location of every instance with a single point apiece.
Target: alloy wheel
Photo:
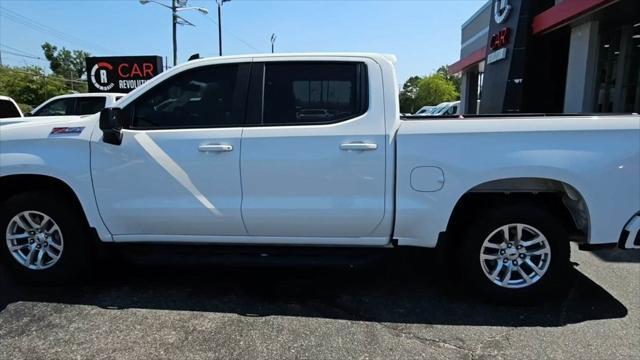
(515, 256)
(34, 240)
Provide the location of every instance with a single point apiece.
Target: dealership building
(551, 56)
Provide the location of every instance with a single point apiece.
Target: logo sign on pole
(121, 73)
(501, 11)
(499, 40)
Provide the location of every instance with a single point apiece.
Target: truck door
(177, 172)
(313, 159)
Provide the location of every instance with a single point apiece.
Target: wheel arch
(557, 195)
(13, 184)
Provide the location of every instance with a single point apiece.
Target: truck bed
(597, 156)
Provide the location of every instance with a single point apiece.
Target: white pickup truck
(228, 151)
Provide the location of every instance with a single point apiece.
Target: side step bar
(630, 237)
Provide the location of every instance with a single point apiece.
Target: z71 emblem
(66, 131)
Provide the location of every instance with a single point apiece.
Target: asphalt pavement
(398, 310)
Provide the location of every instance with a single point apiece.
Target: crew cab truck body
(216, 151)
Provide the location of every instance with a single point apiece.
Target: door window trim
(239, 100)
(255, 103)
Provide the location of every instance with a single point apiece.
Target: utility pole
(174, 22)
(219, 28)
(176, 6)
(273, 41)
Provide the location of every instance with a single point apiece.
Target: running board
(202, 255)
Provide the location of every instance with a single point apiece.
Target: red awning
(471, 59)
(564, 12)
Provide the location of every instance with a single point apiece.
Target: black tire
(555, 279)
(74, 259)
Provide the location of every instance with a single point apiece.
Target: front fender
(64, 158)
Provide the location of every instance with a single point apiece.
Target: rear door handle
(215, 148)
(358, 146)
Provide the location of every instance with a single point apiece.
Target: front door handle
(358, 146)
(215, 148)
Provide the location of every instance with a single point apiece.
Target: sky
(423, 34)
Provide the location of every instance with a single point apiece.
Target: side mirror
(111, 125)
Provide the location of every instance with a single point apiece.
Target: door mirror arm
(111, 125)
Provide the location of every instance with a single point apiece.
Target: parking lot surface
(401, 310)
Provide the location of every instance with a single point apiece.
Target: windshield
(438, 110)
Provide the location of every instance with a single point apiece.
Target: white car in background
(9, 108)
(425, 110)
(446, 109)
(76, 104)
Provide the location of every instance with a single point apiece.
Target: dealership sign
(507, 51)
(497, 56)
(499, 41)
(501, 11)
(121, 73)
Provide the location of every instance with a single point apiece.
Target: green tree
(453, 78)
(435, 89)
(29, 85)
(69, 64)
(409, 95)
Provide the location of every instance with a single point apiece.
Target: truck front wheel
(44, 237)
(515, 252)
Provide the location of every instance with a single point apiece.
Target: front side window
(201, 97)
(89, 105)
(313, 93)
(57, 107)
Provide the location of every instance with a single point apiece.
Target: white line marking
(173, 169)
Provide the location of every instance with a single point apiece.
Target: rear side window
(89, 105)
(313, 92)
(202, 97)
(7, 109)
(57, 107)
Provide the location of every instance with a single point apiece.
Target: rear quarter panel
(598, 156)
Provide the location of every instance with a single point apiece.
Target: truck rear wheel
(515, 252)
(44, 238)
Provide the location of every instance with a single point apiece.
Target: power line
(45, 29)
(53, 76)
(22, 52)
(22, 55)
(234, 35)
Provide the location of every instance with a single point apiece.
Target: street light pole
(220, 2)
(174, 21)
